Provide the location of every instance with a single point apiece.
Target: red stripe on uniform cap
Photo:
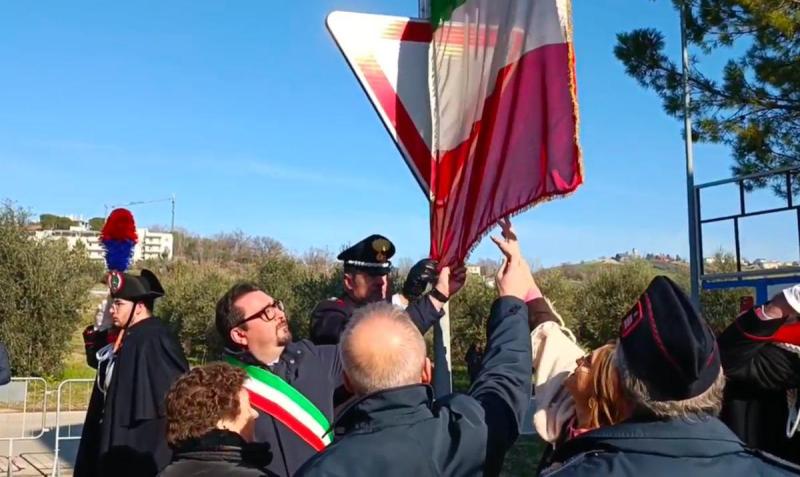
(657, 337)
(269, 407)
(711, 356)
(628, 328)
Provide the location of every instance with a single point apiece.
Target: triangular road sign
(389, 56)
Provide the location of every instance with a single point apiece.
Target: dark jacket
(404, 432)
(329, 319)
(315, 371)
(5, 366)
(218, 453)
(759, 373)
(664, 448)
(124, 432)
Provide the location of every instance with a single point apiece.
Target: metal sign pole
(694, 260)
(442, 364)
(424, 8)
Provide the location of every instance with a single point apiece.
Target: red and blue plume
(119, 238)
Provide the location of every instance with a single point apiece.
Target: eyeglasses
(268, 313)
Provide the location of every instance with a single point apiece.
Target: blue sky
(248, 113)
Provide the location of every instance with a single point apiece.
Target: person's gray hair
(708, 403)
(375, 371)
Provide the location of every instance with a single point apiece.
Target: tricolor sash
(274, 396)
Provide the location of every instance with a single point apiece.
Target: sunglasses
(268, 313)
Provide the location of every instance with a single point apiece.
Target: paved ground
(34, 457)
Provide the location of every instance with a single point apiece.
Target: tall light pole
(694, 260)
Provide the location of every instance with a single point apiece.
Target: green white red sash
(274, 396)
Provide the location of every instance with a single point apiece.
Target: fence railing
(68, 399)
(23, 407)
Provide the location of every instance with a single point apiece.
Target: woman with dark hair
(210, 425)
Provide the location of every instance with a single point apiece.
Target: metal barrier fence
(20, 399)
(68, 399)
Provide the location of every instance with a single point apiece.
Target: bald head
(382, 349)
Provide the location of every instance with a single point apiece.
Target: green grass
(524, 457)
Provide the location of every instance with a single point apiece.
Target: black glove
(420, 275)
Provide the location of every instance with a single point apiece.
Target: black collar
(698, 436)
(399, 406)
(222, 445)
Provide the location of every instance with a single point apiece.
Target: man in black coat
(125, 429)
(761, 357)
(396, 428)
(669, 364)
(255, 329)
(367, 267)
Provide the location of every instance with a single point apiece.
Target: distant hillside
(580, 271)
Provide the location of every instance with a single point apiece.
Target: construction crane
(145, 202)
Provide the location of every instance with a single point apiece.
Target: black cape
(125, 431)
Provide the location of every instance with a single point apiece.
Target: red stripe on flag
(279, 413)
(398, 116)
(522, 150)
(422, 32)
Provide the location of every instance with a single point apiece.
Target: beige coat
(554, 354)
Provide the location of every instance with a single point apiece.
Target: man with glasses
(124, 431)
(291, 384)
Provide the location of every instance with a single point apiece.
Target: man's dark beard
(283, 339)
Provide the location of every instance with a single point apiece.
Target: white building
(76, 234)
(473, 269)
(151, 245)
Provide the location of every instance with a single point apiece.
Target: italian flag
(272, 395)
(504, 115)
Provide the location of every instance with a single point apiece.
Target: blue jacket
(315, 371)
(676, 447)
(405, 432)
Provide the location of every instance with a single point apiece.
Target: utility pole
(694, 260)
(172, 223)
(145, 202)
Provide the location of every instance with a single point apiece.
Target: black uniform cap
(370, 255)
(668, 345)
(130, 287)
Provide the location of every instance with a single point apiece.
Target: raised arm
(503, 384)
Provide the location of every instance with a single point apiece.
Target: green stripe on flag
(442, 10)
(275, 382)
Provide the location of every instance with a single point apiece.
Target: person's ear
(348, 281)
(427, 371)
(238, 336)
